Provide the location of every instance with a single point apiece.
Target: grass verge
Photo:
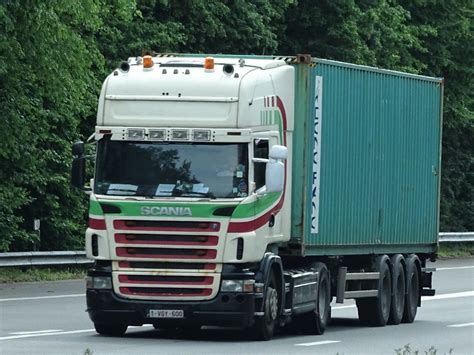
(15, 274)
(456, 250)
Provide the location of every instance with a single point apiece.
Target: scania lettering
(257, 191)
(166, 211)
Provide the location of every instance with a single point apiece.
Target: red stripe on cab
(95, 223)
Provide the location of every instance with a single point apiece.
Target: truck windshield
(217, 170)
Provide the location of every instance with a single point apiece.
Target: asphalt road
(49, 318)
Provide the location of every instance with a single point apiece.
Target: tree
(450, 54)
(48, 73)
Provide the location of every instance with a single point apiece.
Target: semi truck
(254, 191)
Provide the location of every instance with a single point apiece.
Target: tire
(375, 311)
(412, 289)
(264, 326)
(398, 289)
(116, 330)
(315, 322)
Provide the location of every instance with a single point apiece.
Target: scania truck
(254, 191)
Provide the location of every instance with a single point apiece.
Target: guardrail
(51, 258)
(44, 258)
(456, 237)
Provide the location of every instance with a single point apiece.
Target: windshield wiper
(180, 193)
(204, 194)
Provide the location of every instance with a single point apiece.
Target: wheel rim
(386, 295)
(414, 291)
(322, 301)
(273, 304)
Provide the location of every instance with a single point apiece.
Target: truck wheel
(375, 311)
(398, 289)
(116, 330)
(265, 326)
(412, 290)
(316, 321)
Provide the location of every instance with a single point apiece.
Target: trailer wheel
(315, 322)
(264, 326)
(398, 289)
(375, 311)
(117, 330)
(412, 290)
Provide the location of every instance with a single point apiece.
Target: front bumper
(226, 309)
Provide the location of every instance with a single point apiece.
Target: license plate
(166, 313)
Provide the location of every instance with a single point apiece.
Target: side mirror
(275, 169)
(278, 152)
(78, 149)
(78, 172)
(274, 176)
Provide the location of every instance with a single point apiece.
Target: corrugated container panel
(380, 148)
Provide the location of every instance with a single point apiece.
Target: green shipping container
(366, 171)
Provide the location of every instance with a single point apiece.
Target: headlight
(237, 285)
(99, 282)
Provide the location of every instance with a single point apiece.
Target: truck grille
(124, 265)
(168, 280)
(165, 292)
(166, 225)
(164, 239)
(166, 260)
(163, 253)
(156, 286)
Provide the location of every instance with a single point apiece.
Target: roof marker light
(147, 62)
(180, 134)
(209, 64)
(157, 134)
(135, 134)
(202, 135)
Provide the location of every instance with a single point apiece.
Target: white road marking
(454, 268)
(461, 325)
(47, 334)
(425, 298)
(42, 333)
(448, 296)
(324, 342)
(41, 297)
(37, 332)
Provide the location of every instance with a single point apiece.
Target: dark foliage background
(55, 54)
